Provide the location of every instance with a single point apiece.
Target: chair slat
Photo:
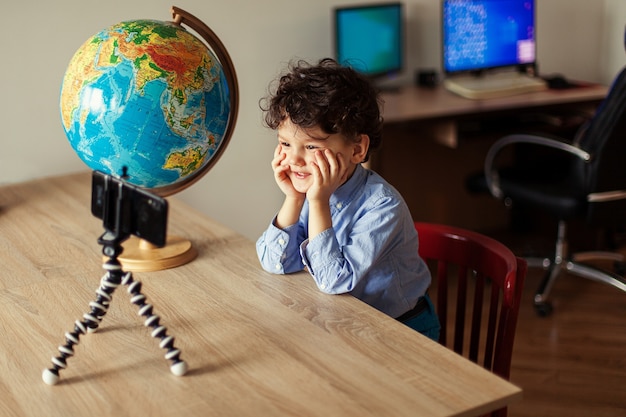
(461, 302)
(479, 288)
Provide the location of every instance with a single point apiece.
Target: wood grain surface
(256, 343)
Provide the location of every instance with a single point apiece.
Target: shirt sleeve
(278, 249)
(322, 254)
(338, 268)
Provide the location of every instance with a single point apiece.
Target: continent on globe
(148, 96)
(186, 161)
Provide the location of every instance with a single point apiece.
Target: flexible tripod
(112, 241)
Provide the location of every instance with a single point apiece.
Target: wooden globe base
(141, 256)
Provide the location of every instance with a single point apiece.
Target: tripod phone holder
(125, 210)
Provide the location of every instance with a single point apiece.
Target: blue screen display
(370, 38)
(483, 34)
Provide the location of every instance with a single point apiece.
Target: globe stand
(142, 256)
(117, 203)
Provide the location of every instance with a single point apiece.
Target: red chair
(483, 280)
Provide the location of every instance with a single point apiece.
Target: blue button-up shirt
(370, 252)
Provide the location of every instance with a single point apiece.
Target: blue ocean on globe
(147, 99)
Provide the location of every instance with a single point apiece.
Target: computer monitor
(479, 35)
(370, 38)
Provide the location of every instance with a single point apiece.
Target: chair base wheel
(543, 308)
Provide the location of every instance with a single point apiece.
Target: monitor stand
(388, 89)
(391, 83)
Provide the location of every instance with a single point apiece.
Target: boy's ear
(360, 149)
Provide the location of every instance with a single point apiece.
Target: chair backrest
(605, 139)
(478, 283)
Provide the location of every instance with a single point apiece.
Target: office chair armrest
(604, 196)
(491, 174)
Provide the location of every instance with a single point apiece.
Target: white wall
(613, 57)
(580, 38)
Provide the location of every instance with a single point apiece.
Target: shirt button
(281, 242)
(339, 205)
(277, 267)
(323, 286)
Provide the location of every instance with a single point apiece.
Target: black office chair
(590, 186)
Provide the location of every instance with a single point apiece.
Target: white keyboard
(494, 85)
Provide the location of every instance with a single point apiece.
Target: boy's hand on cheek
(280, 168)
(329, 172)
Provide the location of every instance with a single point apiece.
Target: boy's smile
(300, 175)
(301, 180)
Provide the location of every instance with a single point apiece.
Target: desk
(411, 103)
(442, 108)
(256, 344)
(431, 177)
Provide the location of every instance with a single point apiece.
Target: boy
(345, 224)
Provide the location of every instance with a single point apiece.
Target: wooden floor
(572, 363)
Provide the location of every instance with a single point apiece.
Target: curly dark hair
(328, 95)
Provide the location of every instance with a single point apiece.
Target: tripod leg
(109, 282)
(178, 367)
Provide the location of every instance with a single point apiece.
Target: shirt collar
(347, 192)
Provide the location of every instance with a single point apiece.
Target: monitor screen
(485, 34)
(370, 38)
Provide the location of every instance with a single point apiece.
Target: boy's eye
(311, 147)
(284, 144)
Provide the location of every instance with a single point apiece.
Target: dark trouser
(423, 318)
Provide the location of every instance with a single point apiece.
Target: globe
(148, 101)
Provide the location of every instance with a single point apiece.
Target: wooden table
(256, 344)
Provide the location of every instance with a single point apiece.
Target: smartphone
(126, 209)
